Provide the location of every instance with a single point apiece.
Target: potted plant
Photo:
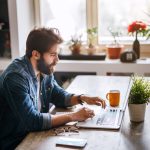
(92, 37)
(76, 44)
(114, 49)
(137, 28)
(138, 98)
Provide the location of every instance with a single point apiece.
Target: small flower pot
(137, 112)
(91, 49)
(75, 49)
(114, 51)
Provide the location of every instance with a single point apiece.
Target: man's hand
(94, 100)
(82, 114)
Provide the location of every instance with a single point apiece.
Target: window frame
(92, 21)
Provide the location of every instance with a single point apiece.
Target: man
(27, 87)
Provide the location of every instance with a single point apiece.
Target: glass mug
(114, 97)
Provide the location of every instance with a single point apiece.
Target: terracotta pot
(114, 51)
(137, 112)
(75, 49)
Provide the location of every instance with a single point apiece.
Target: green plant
(114, 34)
(140, 90)
(92, 35)
(75, 44)
(148, 32)
(76, 40)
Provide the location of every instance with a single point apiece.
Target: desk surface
(129, 137)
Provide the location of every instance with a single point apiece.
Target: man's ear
(36, 54)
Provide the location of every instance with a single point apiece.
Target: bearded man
(28, 88)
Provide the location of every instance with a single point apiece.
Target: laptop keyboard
(108, 117)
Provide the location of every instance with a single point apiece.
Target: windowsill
(144, 48)
(124, 40)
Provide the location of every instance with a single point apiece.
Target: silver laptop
(109, 118)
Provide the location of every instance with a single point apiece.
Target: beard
(45, 68)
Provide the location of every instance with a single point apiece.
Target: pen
(51, 107)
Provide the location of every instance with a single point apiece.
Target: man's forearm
(77, 99)
(60, 119)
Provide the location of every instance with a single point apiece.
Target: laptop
(109, 118)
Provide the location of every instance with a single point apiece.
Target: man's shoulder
(17, 67)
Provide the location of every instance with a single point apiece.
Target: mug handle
(107, 96)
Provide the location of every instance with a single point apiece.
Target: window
(66, 15)
(119, 14)
(74, 17)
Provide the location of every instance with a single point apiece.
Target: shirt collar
(30, 67)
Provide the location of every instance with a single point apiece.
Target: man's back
(17, 107)
(18, 98)
(9, 122)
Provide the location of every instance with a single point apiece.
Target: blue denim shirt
(19, 114)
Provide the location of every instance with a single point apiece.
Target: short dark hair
(42, 39)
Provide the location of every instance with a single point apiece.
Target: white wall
(21, 20)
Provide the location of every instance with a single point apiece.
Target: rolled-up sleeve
(46, 121)
(19, 100)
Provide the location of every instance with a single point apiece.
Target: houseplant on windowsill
(76, 44)
(114, 49)
(92, 34)
(138, 98)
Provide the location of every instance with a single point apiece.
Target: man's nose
(57, 58)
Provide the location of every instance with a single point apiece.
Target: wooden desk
(129, 137)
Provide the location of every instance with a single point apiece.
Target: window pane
(118, 14)
(67, 15)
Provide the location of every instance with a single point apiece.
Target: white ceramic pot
(137, 112)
